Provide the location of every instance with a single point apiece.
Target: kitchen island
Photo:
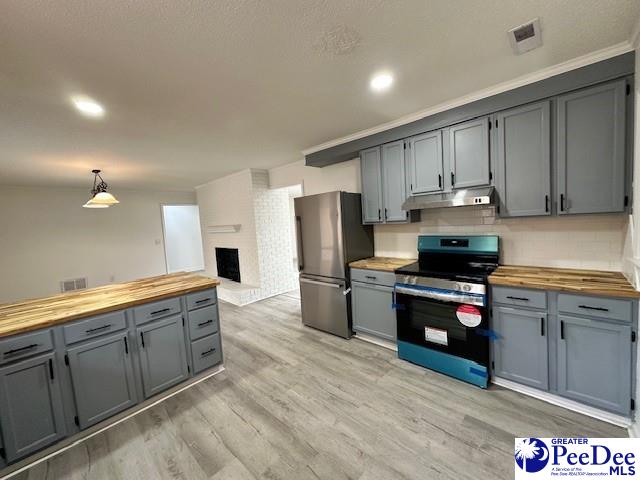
(73, 362)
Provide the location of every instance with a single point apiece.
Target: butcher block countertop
(38, 313)
(382, 264)
(592, 282)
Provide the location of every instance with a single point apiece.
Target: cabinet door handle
(542, 326)
(599, 309)
(523, 299)
(126, 346)
(160, 311)
(379, 215)
(202, 324)
(385, 213)
(204, 300)
(561, 329)
(546, 203)
(439, 181)
(51, 369)
(20, 350)
(562, 202)
(142, 338)
(370, 277)
(453, 179)
(97, 329)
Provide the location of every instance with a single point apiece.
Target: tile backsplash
(575, 241)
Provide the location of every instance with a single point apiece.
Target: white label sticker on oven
(469, 315)
(436, 335)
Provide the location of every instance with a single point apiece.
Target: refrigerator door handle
(299, 243)
(324, 284)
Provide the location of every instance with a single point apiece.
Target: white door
(182, 238)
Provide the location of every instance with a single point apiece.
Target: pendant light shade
(94, 205)
(100, 197)
(103, 198)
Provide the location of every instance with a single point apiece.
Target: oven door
(442, 325)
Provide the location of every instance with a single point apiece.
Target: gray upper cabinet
(393, 176)
(370, 167)
(469, 153)
(102, 377)
(602, 379)
(31, 411)
(591, 150)
(425, 163)
(521, 352)
(524, 160)
(163, 359)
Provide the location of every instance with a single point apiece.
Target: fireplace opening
(228, 264)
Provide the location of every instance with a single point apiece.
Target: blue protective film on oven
(460, 368)
(487, 332)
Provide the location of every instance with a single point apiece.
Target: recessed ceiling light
(381, 81)
(88, 107)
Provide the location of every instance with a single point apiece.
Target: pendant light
(100, 198)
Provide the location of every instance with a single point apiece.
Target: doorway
(182, 238)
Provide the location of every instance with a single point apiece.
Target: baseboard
(376, 341)
(80, 437)
(603, 415)
(634, 430)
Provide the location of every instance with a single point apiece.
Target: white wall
(342, 176)
(47, 236)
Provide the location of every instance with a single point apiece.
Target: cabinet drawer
(29, 344)
(203, 322)
(93, 327)
(607, 308)
(373, 276)
(520, 297)
(151, 311)
(206, 353)
(201, 299)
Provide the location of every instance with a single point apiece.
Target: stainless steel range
(441, 303)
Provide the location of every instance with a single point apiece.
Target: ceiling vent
(74, 284)
(526, 37)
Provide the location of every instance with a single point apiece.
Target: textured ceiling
(198, 89)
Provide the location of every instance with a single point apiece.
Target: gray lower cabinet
(102, 378)
(524, 160)
(591, 149)
(31, 411)
(371, 172)
(372, 310)
(469, 153)
(163, 358)
(521, 353)
(574, 345)
(594, 362)
(425, 163)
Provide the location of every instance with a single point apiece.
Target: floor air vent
(74, 284)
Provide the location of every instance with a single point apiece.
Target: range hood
(459, 198)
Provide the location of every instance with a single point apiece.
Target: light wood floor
(299, 404)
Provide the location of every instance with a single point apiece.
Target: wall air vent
(526, 37)
(73, 284)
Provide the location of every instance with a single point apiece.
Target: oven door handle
(441, 295)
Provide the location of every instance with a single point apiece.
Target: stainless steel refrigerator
(330, 234)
